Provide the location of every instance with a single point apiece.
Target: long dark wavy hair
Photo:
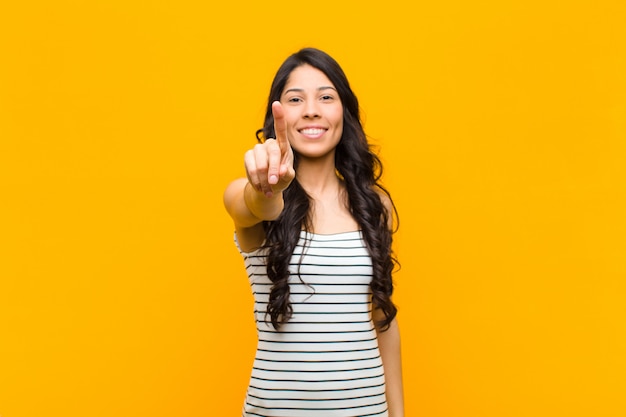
(360, 170)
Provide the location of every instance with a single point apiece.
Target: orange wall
(503, 130)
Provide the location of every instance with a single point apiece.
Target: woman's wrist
(260, 205)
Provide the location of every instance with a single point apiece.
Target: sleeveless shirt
(325, 360)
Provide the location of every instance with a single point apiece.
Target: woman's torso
(324, 361)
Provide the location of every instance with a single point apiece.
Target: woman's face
(313, 113)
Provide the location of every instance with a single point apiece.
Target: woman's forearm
(249, 207)
(390, 352)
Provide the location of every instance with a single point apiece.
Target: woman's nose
(311, 110)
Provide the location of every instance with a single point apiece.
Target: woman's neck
(318, 178)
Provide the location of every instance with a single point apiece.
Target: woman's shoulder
(388, 204)
(385, 197)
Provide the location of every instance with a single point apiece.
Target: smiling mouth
(312, 131)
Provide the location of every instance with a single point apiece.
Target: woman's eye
(326, 98)
(294, 99)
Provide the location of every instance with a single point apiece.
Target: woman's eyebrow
(301, 90)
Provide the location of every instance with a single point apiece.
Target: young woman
(314, 226)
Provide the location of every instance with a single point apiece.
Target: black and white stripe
(325, 361)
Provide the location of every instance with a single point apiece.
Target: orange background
(502, 125)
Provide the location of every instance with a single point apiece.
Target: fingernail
(273, 179)
(269, 194)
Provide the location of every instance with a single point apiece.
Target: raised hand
(269, 165)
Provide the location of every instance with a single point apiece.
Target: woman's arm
(389, 340)
(390, 352)
(269, 168)
(249, 208)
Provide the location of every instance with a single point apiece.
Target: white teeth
(312, 131)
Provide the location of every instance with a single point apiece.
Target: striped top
(325, 361)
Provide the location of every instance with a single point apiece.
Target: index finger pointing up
(280, 127)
